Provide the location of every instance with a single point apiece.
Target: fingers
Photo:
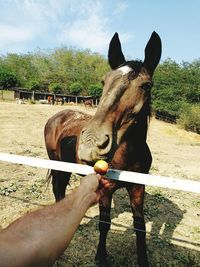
(104, 182)
(90, 182)
(95, 183)
(97, 180)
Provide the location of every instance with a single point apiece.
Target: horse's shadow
(162, 216)
(160, 213)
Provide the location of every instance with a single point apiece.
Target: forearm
(43, 235)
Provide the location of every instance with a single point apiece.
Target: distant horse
(88, 103)
(116, 133)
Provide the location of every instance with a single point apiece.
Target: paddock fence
(126, 176)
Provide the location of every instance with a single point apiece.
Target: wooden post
(33, 96)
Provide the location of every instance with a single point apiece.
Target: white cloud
(27, 23)
(83, 23)
(89, 29)
(12, 36)
(14, 33)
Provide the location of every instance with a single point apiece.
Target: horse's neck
(137, 133)
(131, 152)
(141, 130)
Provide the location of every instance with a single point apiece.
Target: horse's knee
(136, 194)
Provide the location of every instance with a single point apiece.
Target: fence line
(83, 169)
(125, 176)
(165, 118)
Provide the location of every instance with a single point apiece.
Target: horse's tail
(48, 177)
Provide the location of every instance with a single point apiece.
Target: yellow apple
(101, 167)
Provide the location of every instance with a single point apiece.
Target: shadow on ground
(164, 217)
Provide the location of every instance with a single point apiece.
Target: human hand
(95, 185)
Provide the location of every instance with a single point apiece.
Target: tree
(22, 66)
(75, 88)
(55, 88)
(190, 118)
(64, 66)
(34, 86)
(176, 92)
(191, 77)
(95, 90)
(7, 79)
(169, 90)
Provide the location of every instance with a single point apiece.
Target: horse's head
(126, 90)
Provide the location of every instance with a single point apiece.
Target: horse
(116, 133)
(88, 103)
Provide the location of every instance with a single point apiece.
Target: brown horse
(88, 103)
(116, 133)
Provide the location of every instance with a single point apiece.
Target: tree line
(64, 70)
(176, 90)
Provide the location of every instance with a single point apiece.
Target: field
(172, 217)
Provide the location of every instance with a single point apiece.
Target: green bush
(7, 79)
(34, 86)
(189, 118)
(75, 88)
(55, 88)
(95, 90)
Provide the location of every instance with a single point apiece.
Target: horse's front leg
(136, 193)
(60, 180)
(104, 227)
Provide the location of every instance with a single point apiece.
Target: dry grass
(172, 217)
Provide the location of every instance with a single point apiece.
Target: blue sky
(29, 24)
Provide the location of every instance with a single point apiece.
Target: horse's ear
(115, 55)
(153, 52)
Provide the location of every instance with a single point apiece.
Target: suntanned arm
(39, 238)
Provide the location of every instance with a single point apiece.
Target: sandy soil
(172, 217)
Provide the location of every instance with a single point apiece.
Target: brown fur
(116, 133)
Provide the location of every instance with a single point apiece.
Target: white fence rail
(125, 176)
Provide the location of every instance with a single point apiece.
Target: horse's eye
(102, 82)
(147, 86)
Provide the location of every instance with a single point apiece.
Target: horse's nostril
(103, 143)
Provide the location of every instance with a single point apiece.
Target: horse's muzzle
(93, 147)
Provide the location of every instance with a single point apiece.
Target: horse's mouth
(91, 163)
(91, 156)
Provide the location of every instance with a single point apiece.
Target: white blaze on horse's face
(125, 70)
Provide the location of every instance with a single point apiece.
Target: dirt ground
(172, 217)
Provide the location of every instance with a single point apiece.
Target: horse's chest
(126, 158)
